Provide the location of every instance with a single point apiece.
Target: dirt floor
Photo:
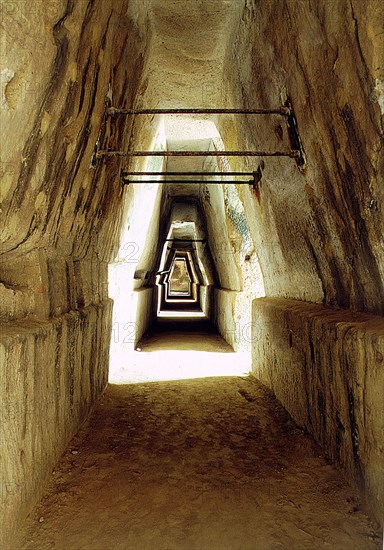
(209, 463)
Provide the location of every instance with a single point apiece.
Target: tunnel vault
(289, 266)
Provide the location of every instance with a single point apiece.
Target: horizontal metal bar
(292, 154)
(189, 249)
(284, 111)
(187, 182)
(186, 240)
(125, 173)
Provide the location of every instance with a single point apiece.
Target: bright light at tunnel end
(128, 365)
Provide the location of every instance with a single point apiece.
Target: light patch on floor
(179, 365)
(181, 314)
(179, 356)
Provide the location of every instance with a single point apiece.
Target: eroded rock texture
(319, 233)
(59, 216)
(312, 235)
(325, 365)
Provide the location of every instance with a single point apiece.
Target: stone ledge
(333, 314)
(326, 366)
(52, 371)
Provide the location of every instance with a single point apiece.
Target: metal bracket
(294, 138)
(257, 176)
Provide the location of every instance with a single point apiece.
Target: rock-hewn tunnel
(281, 255)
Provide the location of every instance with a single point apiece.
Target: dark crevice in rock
(354, 435)
(319, 273)
(84, 77)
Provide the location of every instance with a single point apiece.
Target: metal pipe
(188, 182)
(104, 153)
(126, 173)
(186, 240)
(284, 111)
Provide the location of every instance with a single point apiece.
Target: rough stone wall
(60, 222)
(318, 233)
(54, 201)
(325, 365)
(224, 315)
(52, 372)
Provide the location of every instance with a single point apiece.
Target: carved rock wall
(313, 235)
(52, 373)
(318, 233)
(325, 365)
(60, 223)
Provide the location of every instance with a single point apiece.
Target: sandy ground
(209, 463)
